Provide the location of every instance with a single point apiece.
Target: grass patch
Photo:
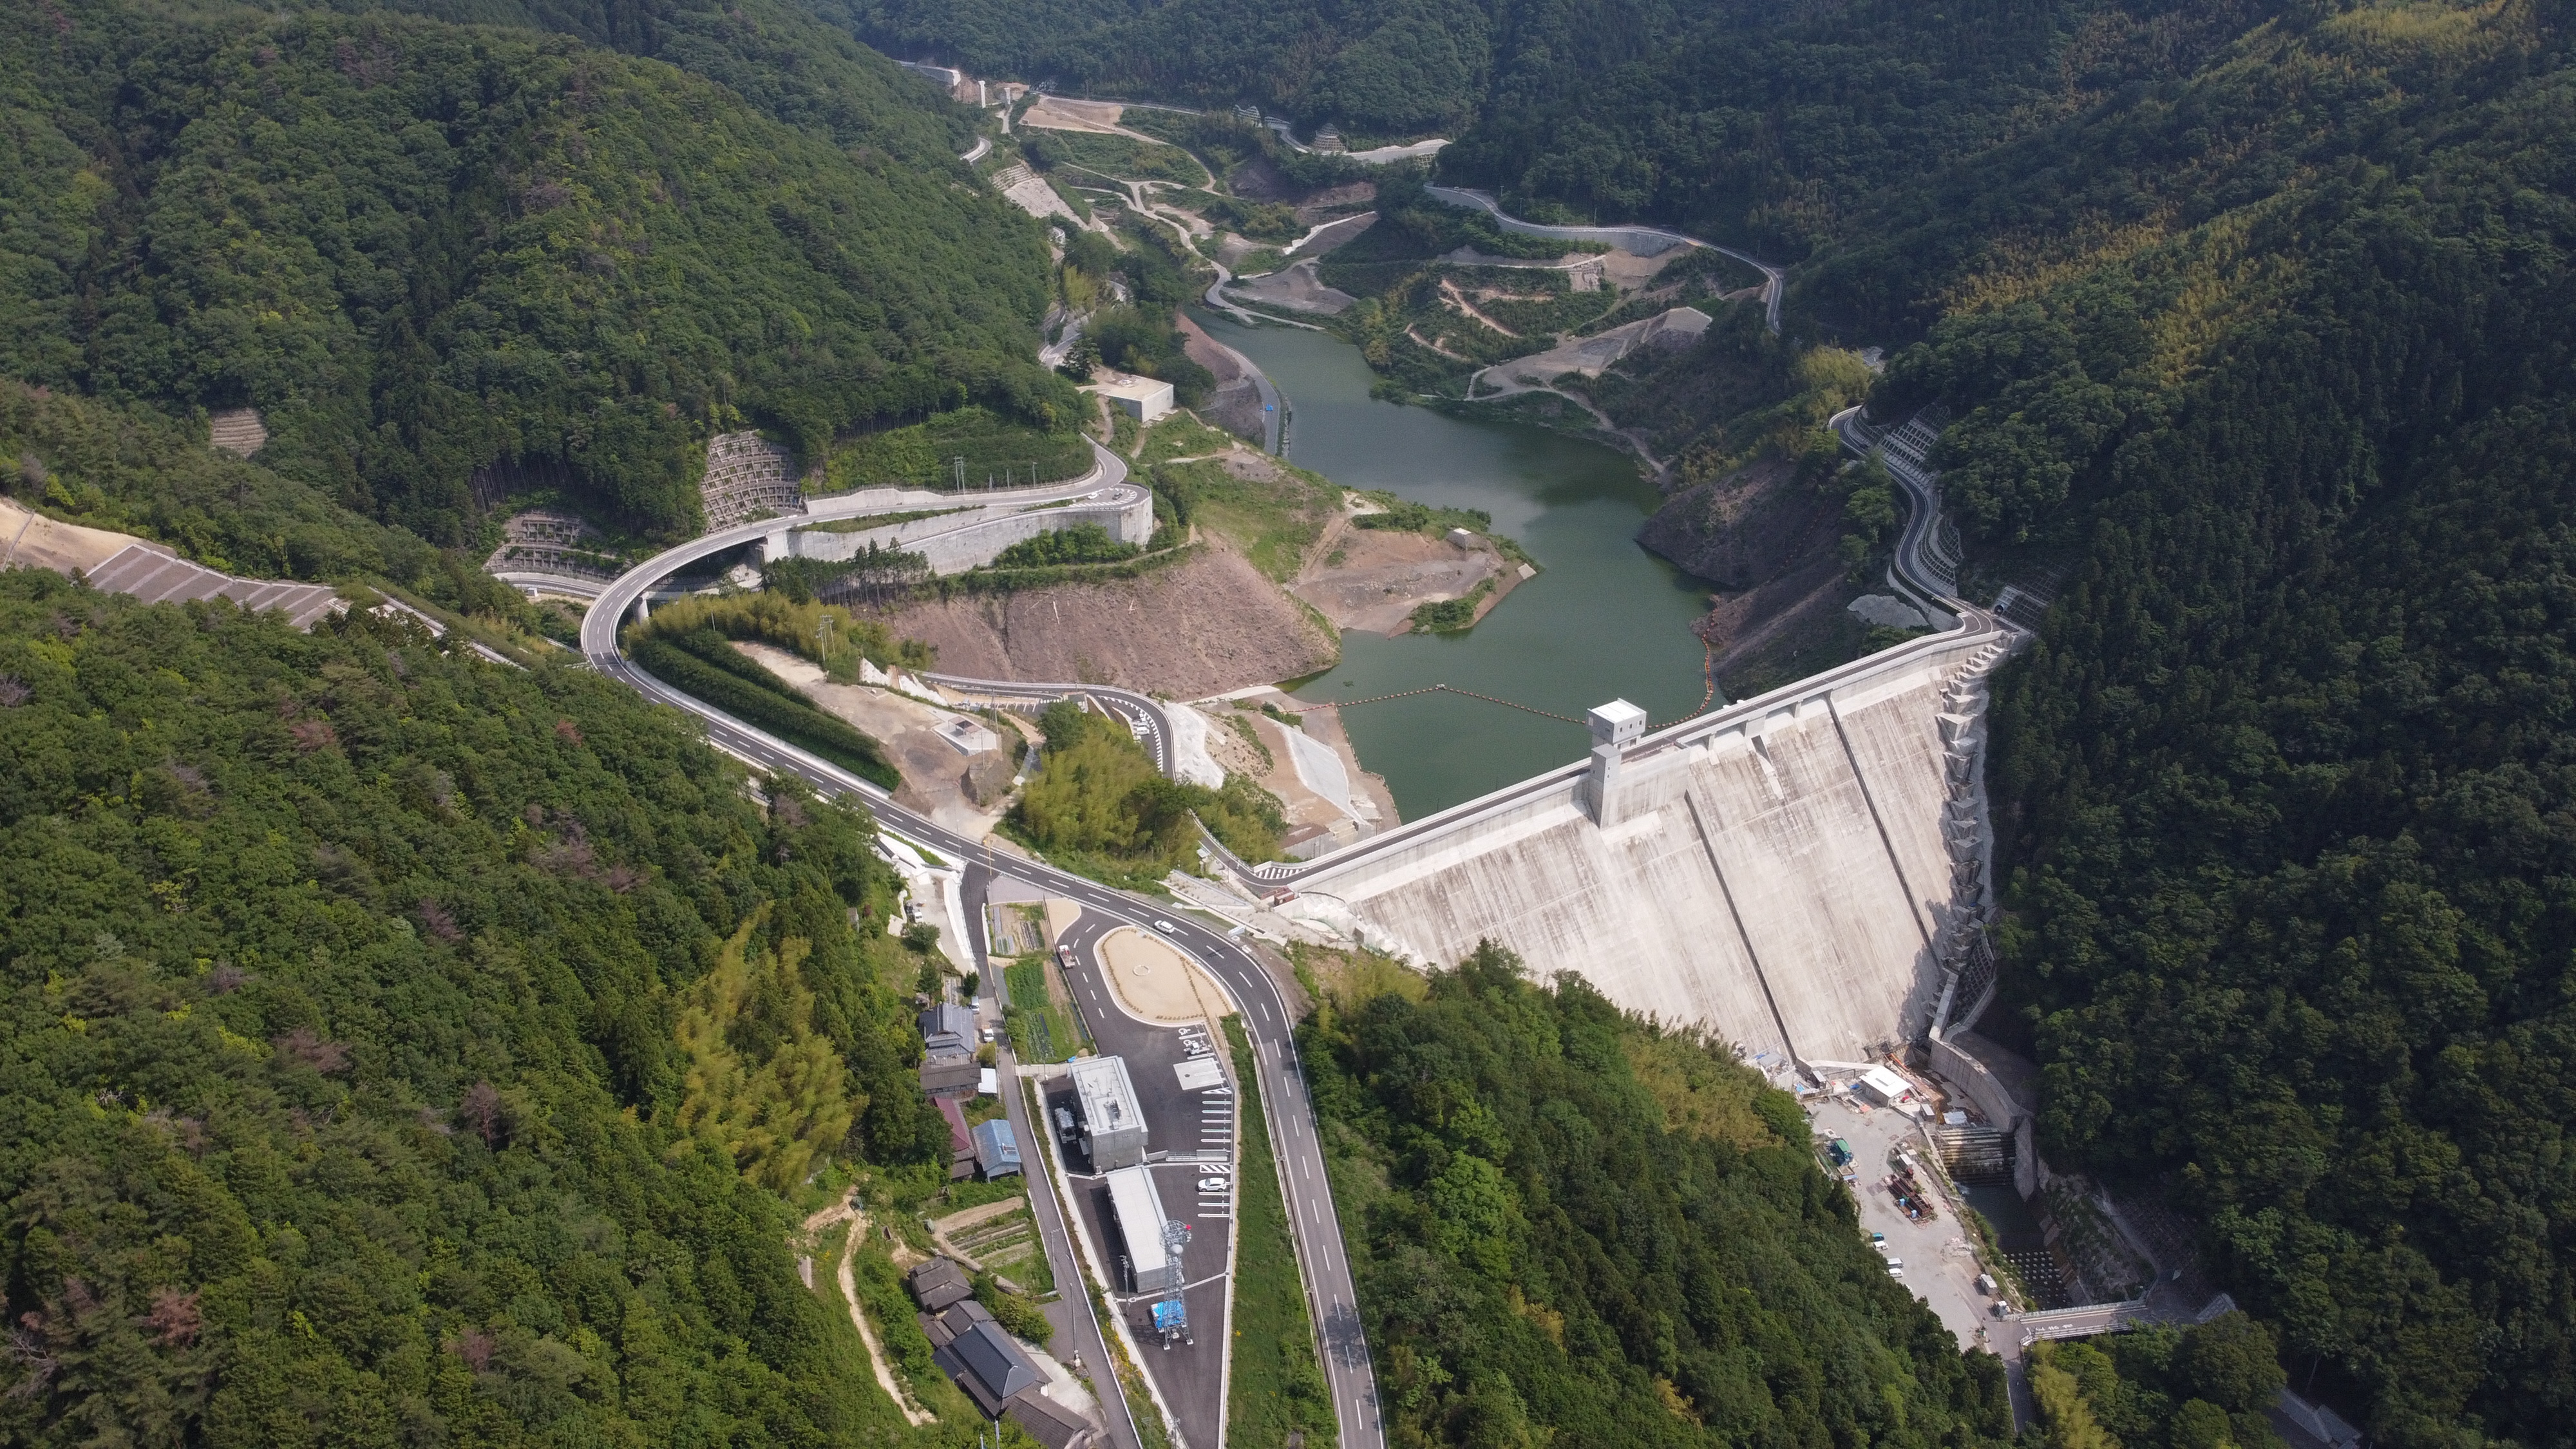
(869, 521)
(1405, 515)
(923, 454)
(703, 666)
(1123, 157)
(1259, 262)
(1182, 436)
(828, 1248)
(1451, 616)
(1274, 522)
(1043, 1028)
(1278, 1389)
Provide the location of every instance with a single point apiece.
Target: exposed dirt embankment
(1205, 625)
(1373, 579)
(1234, 404)
(934, 772)
(1768, 544)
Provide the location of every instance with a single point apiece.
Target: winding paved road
(1141, 713)
(614, 602)
(1331, 1294)
(1618, 236)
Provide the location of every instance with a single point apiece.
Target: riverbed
(1603, 620)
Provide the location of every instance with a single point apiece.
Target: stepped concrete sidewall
(1779, 876)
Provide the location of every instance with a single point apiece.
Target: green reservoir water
(1603, 620)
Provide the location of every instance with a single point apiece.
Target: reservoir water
(1603, 620)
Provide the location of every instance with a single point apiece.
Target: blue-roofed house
(997, 1148)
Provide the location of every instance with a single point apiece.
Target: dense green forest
(1571, 1227)
(1756, 122)
(449, 261)
(1097, 805)
(2266, 375)
(1402, 66)
(402, 1048)
(2203, 1387)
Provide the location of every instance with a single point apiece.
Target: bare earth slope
(1205, 625)
(1768, 544)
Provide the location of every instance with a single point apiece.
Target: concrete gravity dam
(1801, 875)
(1804, 873)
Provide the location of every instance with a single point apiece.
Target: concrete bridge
(968, 529)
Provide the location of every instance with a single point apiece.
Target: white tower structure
(1615, 726)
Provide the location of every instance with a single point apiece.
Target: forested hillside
(1571, 1227)
(405, 1049)
(448, 260)
(1402, 66)
(1747, 120)
(2274, 372)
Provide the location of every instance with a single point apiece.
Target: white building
(970, 736)
(1142, 398)
(1885, 1085)
(1113, 1126)
(1151, 1265)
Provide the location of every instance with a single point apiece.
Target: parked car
(1064, 1123)
(1212, 1184)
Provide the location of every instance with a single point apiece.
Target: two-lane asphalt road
(609, 609)
(1330, 1292)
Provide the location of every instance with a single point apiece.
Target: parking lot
(1940, 1265)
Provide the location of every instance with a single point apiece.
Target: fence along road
(1330, 1293)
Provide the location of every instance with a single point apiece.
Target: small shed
(997, 1149)
(971, 736)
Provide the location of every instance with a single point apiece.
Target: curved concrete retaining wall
(956, 542)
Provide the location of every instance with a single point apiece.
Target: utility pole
(959, 463)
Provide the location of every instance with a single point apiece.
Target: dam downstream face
(1603, 620)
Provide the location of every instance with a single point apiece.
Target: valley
(1744, 725)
